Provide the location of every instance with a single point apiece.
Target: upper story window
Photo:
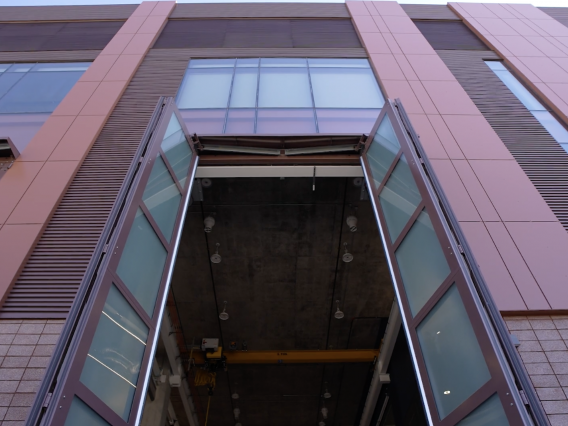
(279, 96)
(30, 92)
(546, 119)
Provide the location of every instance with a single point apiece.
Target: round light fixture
(216, 257)
(347, 257)
(224, 315)
(338, 314)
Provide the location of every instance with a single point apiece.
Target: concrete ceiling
(281, 272)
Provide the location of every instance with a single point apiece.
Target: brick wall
(25, 349)
(544, 352)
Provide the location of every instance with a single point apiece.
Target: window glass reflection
(454, 361)
(421, 261)
(285, 121)
(81, 414)
(490, 413)
(205, 88)
(114, 359)
(345, 88)
(347, 96)
(177, 150)
(162, 197)
(399, 198)
(284, 88)
(142, 262)
(382, 151)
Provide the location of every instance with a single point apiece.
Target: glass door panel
(461, 371)
(106, 379)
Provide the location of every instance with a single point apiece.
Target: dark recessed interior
(281, 245)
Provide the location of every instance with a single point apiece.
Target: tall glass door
(106, 375)
(461, 371)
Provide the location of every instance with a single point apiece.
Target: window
(30, 92)
(546, 119)
(279, 96)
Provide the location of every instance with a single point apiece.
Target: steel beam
(295, 357)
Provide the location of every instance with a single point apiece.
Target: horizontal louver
(66, 13)
(57, 36)
(538, 154)
(429, 11)
(259, 33)
(449, 35)
(48, 284)
(260, 10)
(558, 13)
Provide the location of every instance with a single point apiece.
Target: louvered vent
(66, 13)
(48, 284)
(539, 155)
(258, 33)
(259, 10)
(450, 35)
(429, 11)
(558, 13)
(57, 36)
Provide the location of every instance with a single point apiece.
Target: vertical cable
(312, 95)
(229, 98)
(257, 92)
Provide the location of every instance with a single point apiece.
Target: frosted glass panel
(205, 88)
(81, 414)
(244, 88)
(399, 198)
(162, 197)
(284, 88)
(177, 150)
(115, 356)
(490, 413)
(346, 120)
(422, 263)
(204, 121)
(142, 262)
(285, 121)
(240, 121)
(345, 88)
(382, 151)
(454, 361)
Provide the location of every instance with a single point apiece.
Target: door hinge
(460, 248)
(105, 248)
(47, 400)
(421, 160)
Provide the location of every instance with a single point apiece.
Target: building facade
(284, 213)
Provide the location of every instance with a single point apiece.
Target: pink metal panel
(477, 193)
(476, 138)
(524, 280)
(497, 27)
(460, 201)
(430, 67)
(14, 184)
(496, 275)
(450, 145)
(423, 97)
(450, 98)
(405, 66)
(543, 246)
(46, 139)
(99, 68)
(428, 137)
(387, 66)
(78, 140)
(375, 43)
(511, 192)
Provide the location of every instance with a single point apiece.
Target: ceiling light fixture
(209, 223)
(347, 257)
(324, 413)
(338, 314)
(326, 395)
(237, 413)
(216, 258)
(322, 423)
(351, 223)
(224, 315)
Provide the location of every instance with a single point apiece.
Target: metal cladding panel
(255, 33)
(266, 52)
(429, 11)
(65, 13)
(446, 35)
(47, 286)
(558, 13)
(538, 154)
(260, 10)
(18, 37)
